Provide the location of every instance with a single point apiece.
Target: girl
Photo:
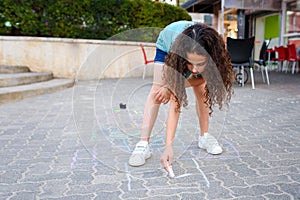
(194, 55)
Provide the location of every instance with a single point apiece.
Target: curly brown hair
(219, 74)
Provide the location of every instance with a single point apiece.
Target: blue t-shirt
(166, 38)
(168, 35)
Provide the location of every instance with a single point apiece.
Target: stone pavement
(74, 144)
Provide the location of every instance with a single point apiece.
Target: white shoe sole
(219, 151)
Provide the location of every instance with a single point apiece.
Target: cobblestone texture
(75, 144)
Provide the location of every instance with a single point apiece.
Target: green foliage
(106, 19)
(17, 18)
(66, 17)
(93, 19)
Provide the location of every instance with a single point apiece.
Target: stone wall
(76, 58)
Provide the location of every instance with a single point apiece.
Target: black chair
(241, 52)
(262, 61)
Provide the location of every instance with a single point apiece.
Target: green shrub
(92, 19)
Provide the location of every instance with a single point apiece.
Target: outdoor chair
(271, 58)
(262, 62)
(292, 57)
(281, 56)
(241, 52)
(146, 61)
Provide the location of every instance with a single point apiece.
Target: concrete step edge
(5, 69)
(8, 80)
(16, 93)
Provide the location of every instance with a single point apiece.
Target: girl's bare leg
(156, 96)
(201, 108)
(206, 141)
(151, 106)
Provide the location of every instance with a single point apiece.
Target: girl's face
(196, 63)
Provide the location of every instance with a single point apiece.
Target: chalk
(171, 172)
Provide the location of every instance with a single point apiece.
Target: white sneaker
(210, 144)
(140, 154)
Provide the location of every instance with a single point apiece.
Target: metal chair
(146, 61)
(262, 61)
(241, 52)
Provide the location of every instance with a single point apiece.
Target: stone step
(15, 93)
(13, 69)
(8, 80)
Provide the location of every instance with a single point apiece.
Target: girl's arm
(172, 121)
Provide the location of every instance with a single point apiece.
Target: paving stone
(254, 162)
(65, 145)
(255, 190)
(24, 195)
(5, 196)
(249, 198)
(295, 177)
(28, 162)
(278, 197)
(168, 191)
(230, 179)
(242, 170)
(107, 195)
(39, 168)
(6, 159)
(278, 170)
(73, 197)
(137, 193)
(216, 190)
(93, 188)
(81, 177)
(193, 196)
(290, 188)
(8, 189)
(54, 188)
(46, 177)
(264, 180)
(11, 176)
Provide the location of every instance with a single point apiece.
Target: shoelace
(139, 149)
(212, 141)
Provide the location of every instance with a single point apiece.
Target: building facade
(275, 20)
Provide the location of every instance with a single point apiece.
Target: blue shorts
(160, 56)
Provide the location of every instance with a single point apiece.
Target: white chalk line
(130, 176)
(198, 167)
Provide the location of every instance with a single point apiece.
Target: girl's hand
(162, 95)
(167, 157)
